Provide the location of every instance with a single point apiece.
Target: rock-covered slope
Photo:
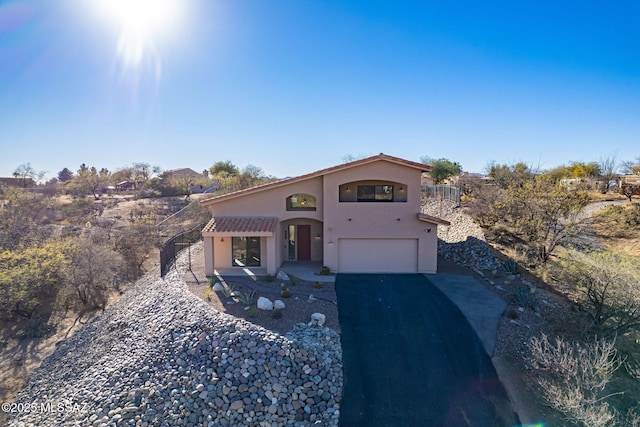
(161, 357)
(463, 242)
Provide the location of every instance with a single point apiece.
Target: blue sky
(293, 86)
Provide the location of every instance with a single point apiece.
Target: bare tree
(630, 167)
(94, 270)
(608, 166)
(26, 173)
(143, 172)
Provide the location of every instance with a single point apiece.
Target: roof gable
(361, 162)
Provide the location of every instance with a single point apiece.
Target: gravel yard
(298, 307)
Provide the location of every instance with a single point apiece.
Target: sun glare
(140, 23)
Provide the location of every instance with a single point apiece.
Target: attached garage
(378, 255)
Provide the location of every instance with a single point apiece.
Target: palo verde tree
(29, 275)
(507, 176)
(89, 181)
(441, 168)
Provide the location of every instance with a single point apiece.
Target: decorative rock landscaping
(161, 357)
(463, 242)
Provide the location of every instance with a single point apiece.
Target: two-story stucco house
(362, 216)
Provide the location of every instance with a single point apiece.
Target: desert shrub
(276, 314)
(573, 378)
(208, 293)
(533, 213)
(94, 271)
(268, 278)
(38, 328)
(607, 284)
(325, 271)
(318, 285)
(293, 279)
(619, 221)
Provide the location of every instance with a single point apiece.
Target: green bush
(318, 285)
(325, 271)
(276, 314)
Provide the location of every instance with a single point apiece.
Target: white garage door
(378, 255)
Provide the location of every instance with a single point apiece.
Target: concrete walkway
(482, 308)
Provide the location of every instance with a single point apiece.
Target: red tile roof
(432, 219)
(241, 224)
(273, 184)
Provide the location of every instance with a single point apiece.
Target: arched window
(301, 202)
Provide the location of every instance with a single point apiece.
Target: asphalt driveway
(411, 358)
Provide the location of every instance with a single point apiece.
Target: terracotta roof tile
(241, 224)
(432, 219)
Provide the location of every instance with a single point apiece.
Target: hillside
(161, 356)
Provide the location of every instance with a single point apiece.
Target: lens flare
(140, 24)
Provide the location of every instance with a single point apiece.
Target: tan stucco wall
(272, 202)
(377, 220)
(334, 220)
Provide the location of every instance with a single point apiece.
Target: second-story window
(375, 193)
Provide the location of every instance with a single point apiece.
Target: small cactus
(285, 293)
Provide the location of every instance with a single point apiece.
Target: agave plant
(246, 298)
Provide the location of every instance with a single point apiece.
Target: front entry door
(304, 242)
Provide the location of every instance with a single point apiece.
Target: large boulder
(282, 275)
(317, 319)
(278, 305)
(265, 304)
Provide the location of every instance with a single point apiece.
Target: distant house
(362, 216)
(17, 182)
(182, 173)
